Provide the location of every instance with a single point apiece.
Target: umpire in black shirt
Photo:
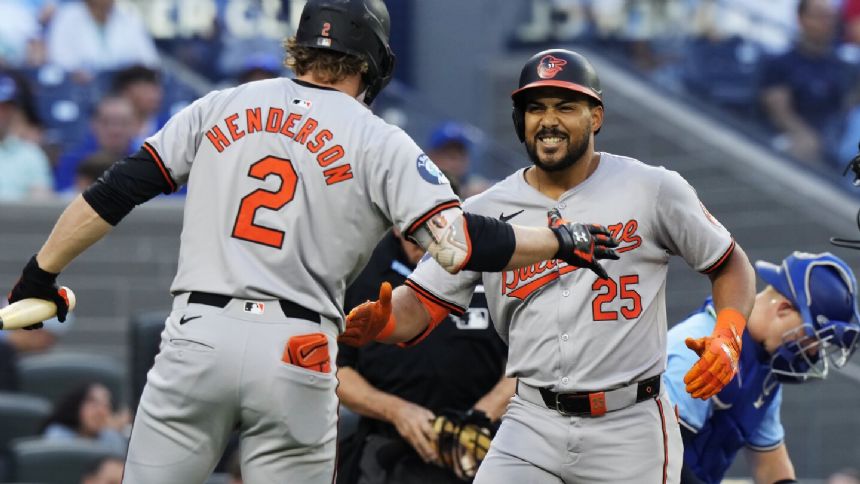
(398, 391)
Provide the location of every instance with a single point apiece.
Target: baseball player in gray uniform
(588, 352)
(290, 185)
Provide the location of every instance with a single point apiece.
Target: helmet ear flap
(378, 83)
(518, 117)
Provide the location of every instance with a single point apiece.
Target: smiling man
(587, 351)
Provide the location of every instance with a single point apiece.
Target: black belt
(290, 309)
(584, 403)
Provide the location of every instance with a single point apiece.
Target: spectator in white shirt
(89, 36)
(20, 34)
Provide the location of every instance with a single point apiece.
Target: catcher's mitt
(463, 439)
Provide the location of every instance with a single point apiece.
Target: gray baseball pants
(222, 371)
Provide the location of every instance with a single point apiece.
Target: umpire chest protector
(554, 68)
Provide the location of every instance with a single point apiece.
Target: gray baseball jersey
(290, 187)
(568, 330)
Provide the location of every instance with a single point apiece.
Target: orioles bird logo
(549, 66)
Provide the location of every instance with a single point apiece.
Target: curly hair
(327, 65)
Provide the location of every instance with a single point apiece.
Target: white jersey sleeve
(403, 182)
(686, 228)
(175, 145)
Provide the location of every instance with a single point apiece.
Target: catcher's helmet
(356, 27)
(556, 68)
(823, 289)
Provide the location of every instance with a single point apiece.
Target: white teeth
(551, 140)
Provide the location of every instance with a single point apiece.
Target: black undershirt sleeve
(493, 243)
(127, 183)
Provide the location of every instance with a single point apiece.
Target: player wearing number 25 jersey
(291, 183)
(587, 352)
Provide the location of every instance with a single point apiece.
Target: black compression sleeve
(493, 243)
(126, 184)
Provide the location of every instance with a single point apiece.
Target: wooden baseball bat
(32, 310)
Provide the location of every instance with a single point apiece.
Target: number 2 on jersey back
(244, 228)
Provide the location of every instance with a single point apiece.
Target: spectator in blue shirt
(803, 322)
(114, 127)
(805, 90)
(87, 413)
(142, 86)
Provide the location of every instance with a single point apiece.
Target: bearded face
(558, 128)
(551, 149)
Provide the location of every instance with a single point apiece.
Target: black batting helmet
(554, 68)
(356, 27)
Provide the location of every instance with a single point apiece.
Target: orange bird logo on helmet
(549, 66)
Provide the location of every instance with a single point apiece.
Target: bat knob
(69, 296)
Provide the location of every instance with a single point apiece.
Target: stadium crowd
(82, 82)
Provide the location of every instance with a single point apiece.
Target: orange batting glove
(370, 320)
(719, 354)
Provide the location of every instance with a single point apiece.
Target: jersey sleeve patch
(429, 171)
(710, 217)
(148, 147)
(453, 308)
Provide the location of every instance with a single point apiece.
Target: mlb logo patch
(324, 42)
(254, 307)
(301, 103)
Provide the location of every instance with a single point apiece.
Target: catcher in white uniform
(588, 351)
(291, 183)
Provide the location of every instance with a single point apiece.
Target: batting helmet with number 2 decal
(356, 27)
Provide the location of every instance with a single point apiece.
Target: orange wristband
(733, 321)
(388, 329)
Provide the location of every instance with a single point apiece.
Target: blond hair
(327, 65)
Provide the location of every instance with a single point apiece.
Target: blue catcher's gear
(823, 290)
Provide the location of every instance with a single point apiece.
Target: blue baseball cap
(262, 61)
(818, 285)
(449, 132)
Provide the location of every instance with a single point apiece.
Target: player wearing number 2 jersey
(290, 185)
(588, 352)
